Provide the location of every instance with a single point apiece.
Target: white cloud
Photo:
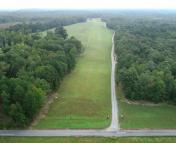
(88, 4)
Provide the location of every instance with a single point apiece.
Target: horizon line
(89, 9)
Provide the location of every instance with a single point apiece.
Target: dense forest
(146, 49)
(63, 17)
(31, 67)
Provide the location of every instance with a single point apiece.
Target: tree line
(146, 49)
(31, 67)
(45, 17)
(49, 23)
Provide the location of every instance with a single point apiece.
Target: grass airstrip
(84, 98)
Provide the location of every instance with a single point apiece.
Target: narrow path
(112, 131)
(114, 122)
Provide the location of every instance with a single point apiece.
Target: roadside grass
(84, 96)
(87, 140)
(139, 116)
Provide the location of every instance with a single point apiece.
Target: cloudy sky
(87, 4)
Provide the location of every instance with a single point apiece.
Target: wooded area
(31, 67)
(146, 51)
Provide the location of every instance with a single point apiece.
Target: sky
(87, 4)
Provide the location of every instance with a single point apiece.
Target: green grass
(44, 33)
(84, 96)
(145, 116)
(87, 140)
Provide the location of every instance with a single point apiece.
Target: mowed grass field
(84, 96)
(87, 140)
(133, 116)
